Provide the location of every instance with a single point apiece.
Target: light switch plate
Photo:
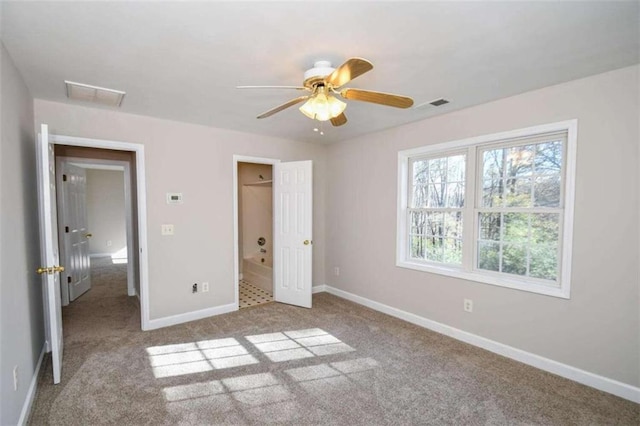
(167, 229)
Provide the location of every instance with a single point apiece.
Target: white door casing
(292, 234)
(74, 243)
(140, 207)
(49, 249)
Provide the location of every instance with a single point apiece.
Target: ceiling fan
(325, 82)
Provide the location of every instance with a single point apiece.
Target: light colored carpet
(338, 364)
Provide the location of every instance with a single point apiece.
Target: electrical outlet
(109, 243)
(15, 377)
(194, 288)
(468, 305)
(205, 287)
(336, 271)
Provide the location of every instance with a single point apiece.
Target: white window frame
(467, 270)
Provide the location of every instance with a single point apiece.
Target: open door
(50, 269)
(74, 244)
(292, 233)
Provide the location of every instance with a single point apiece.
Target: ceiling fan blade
(352, 68)
(286, 105)
(387, 99)
(339, 120)
(273, 87)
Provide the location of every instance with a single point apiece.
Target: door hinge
(68, 280)
(64, 178)
(66, 229)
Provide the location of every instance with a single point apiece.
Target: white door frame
(128, 206)
(141, 203)
(236, 259)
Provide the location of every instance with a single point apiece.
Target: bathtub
(259, 272)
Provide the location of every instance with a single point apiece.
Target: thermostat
(174, 198)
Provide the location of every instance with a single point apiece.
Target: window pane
(489, 256)
(452, 251)
(492, 192)
(437, 193)
(547, 191)
(455, 195)
(549, 158)
(490, 226)
(456, 166)
(545, 228)
(438, 170)
(435, 223)
(516, 227)
(514, 259)
(544, 262)
(453, 225)
(438, 182)
(419, 196)
(518, 192)
(434, 249)
(418, 223)
(420, 175)
(417, 247)
(519, 161)
(492, 164)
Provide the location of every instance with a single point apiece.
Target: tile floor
(250, 295)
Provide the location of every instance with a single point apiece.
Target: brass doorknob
(88, 235)
(50, 269)
(307, 242)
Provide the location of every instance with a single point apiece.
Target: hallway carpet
(338, 363)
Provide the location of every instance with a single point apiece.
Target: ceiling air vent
(98, 95)
(436, 103)
(439, 102)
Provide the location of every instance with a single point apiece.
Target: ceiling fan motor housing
(315, 75)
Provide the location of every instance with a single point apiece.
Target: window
(497, 209)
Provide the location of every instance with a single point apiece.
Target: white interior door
(292, 232)
(74, 250)
(49, 249)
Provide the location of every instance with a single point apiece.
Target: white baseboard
(190, 316)
(100, 255)
(319, 288)
(623, 390)
(31, 393)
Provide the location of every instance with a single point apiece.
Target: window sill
(508, 282)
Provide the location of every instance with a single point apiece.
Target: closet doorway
(255, 232)
(277, 235)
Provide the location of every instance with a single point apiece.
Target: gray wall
(197, 161)
(598, 328)
(21, 321)
(106, 211)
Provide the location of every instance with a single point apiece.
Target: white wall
(598, 329)
(106, 211)
(21, 319)
(197, 161)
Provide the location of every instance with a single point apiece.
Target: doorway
(292, 227)
(95, 219)
(255, 234)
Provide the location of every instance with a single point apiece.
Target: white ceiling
(182, 60)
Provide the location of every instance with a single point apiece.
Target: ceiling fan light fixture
(322, 107)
